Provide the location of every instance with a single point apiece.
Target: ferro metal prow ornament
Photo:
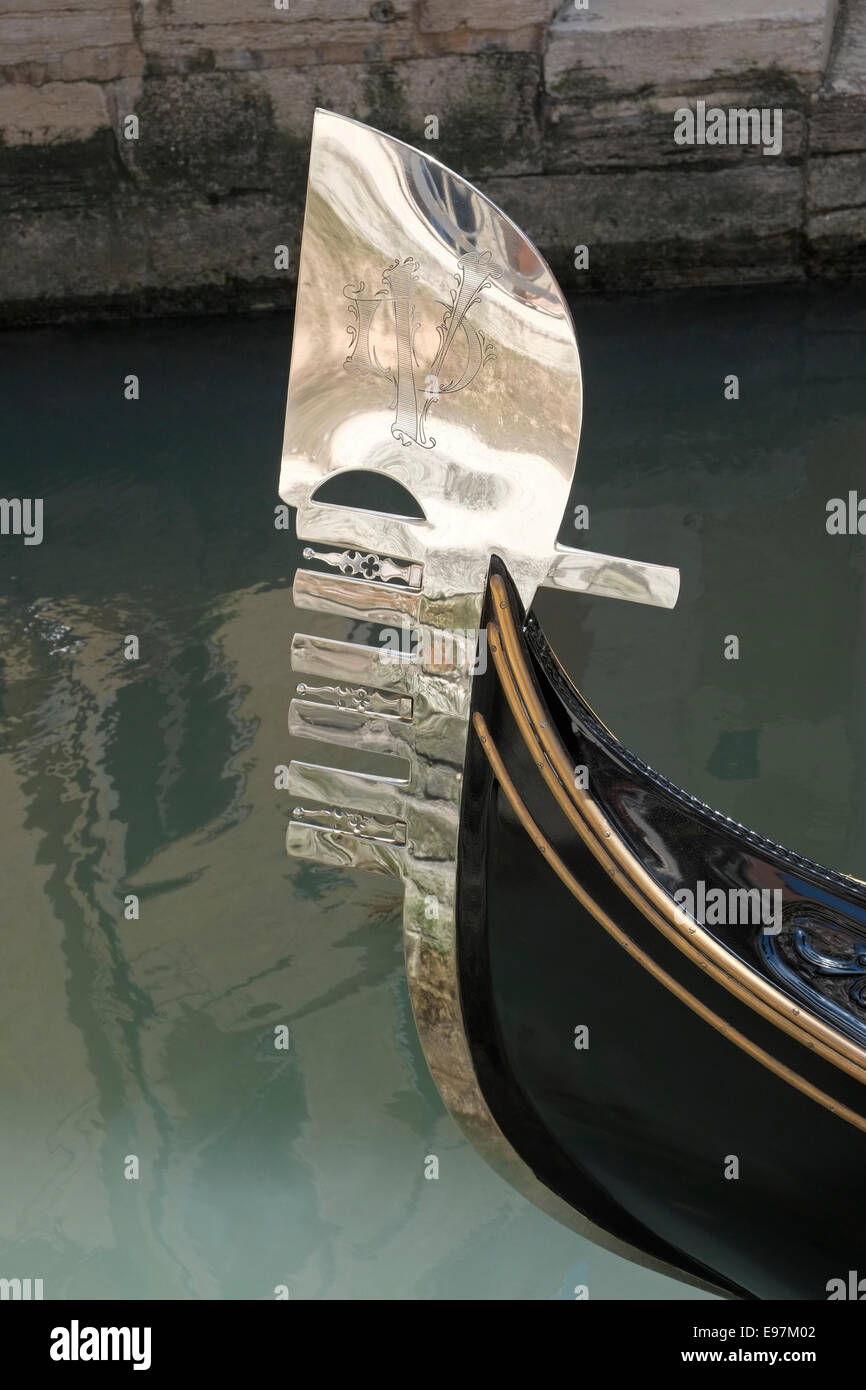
(433, 347)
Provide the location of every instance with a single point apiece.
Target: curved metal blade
(431, 344)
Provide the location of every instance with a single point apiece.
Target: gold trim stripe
(619, 936)
(622, 864)
(619, 876)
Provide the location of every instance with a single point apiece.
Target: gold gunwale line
(734, 975)
(632, 891)
(632, 949)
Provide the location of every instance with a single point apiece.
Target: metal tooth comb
(433, 346)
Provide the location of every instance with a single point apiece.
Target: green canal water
(153, 1038)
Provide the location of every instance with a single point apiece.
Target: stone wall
(565, 116)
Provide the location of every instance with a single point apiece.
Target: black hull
(704, 1134)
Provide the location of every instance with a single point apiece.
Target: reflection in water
(153, 1037)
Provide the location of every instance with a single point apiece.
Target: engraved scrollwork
(366, 565)
(345, 822)
(343, 696)
(357, 697)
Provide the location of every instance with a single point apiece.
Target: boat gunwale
(538, 731)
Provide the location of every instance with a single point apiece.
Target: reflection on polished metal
(402, 291)
(469, 320)
(805, 958)
(388, 832)
(609, 577)
(367, 566)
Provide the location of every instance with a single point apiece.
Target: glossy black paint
(814, 948)
(639, 1130)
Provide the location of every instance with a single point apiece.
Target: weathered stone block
(47, 7)
(211, 134)
(144, 256)
(848, 70)
(640, 135)
(627, 47)
(837, 242)
(47, 42)
(486, 106)
(56, 147)
(838, 181)
(657, 227)
(839, 120)
(203, 244)
(442, 16)
(216, 179)
(157, 13)
(66, 254)
(252, 34)
(52, 114)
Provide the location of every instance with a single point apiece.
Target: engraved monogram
(411, 401)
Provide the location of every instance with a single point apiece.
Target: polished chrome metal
(462, 319)
(352, 728)
(432, 345)
(368, 566)
(355, 598)
(367, 826)
(326, 657)
(360, 698)
(612, 577)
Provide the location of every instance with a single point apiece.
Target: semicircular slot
(362, 489)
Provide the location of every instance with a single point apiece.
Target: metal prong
(342, 851)
(613, 577)
(390, 704)
(373, 733)
(355, 598)
(380, 795)
(383, 829)
(378, 666)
